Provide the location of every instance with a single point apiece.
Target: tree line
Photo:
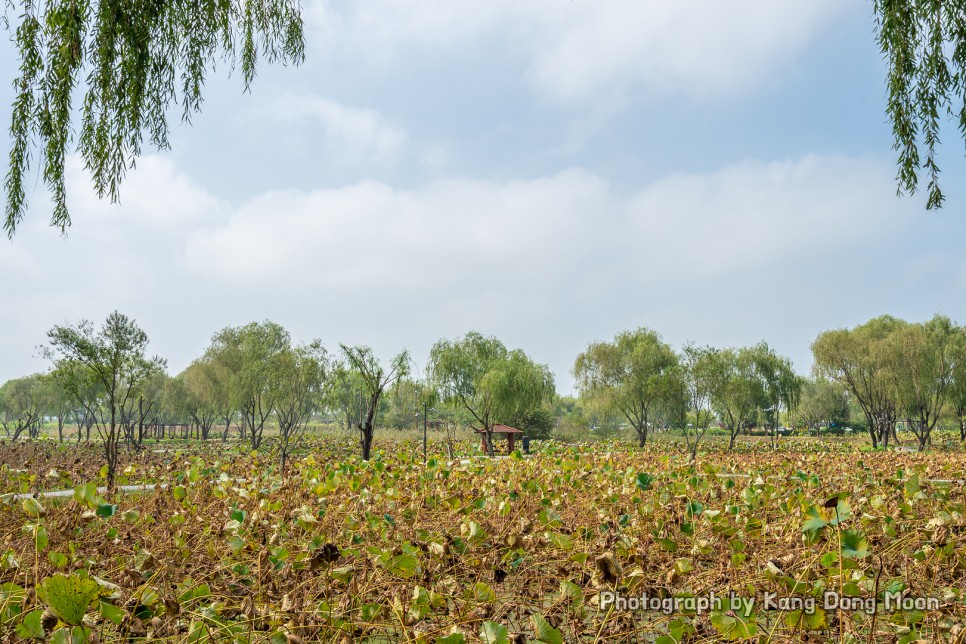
(894, 373)
(254, 376)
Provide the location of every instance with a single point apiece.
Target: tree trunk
(140, 422)
(366, 440)
(110, 450)
(368, 429)
(925, 432)
(873, 430)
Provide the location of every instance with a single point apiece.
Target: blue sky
(547, 172)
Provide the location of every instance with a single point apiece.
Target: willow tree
(781, 386)
(250, 356)
(698, 378)
(115, 358)
(823, 402)
(493, 384)
(303, 375)
(23, 402)
(629, 375)
(128, 63)
(857, 359)
(738, 391)
(956, 394)
(922, 360)
(195, 389)
(924, 43)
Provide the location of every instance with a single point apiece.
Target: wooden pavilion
(500, 430)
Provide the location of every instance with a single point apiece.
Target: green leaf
(179, 493)
(196, 592)
(112, 612)
(549, 518)
(483, 593)
(572, 592)
(667, 544)
(32, 508)
(561, 541)
(405, 566)
(106, 510)
(909, 638)
(912, 486)
(30, 628)
(493, 633)
(841, 512)
(815, 523)
(68, 596)
(812, 621)
(40, 537)
(854, 544)
(57, 559)
(544, 632)
(912, 617)
(86, 495)
(12, 599)
(644, 481)
(343, 573)
(452, 638)
(733, 627)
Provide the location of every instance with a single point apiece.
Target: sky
(549, 172)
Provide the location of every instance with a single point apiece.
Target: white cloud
(752, 214)
(350, 136)
(579, 50)
(474, 235)
(154, 194)
(547, 264)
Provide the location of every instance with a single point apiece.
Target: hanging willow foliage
(131, 60)
(924, 42)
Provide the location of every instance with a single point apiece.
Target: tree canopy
(22, 401)
(251, 356)
(128, 62)
(115, 358)
(493, 384)
(629, 375)
(895, 370)
(924, 44)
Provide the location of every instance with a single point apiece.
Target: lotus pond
(571, 543)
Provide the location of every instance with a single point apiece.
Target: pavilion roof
(501, 429)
